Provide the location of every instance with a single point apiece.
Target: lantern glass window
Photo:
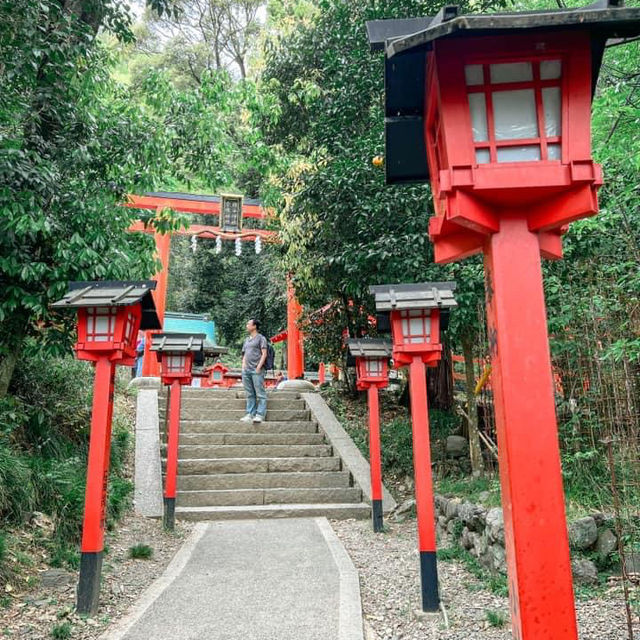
(374, 367)
(516, 110)
(129, 328)
(101, 324)
(416, 326)
(217, 375)
(175, 362)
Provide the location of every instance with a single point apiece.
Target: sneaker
(258, 419)
(247, 418)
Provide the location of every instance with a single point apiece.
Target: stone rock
(43, 522)
(452, 508)
(480, 545)
(297, 385)
(56, 578)
(495, 525)
(406, 507)
(498, 558)
(465, 540)
(632, 562)
(583, 533)
(472, 516)
(584, 571)
(456, 446)
(606, 543)
(451, 526)
(145, 383)
(440, 503)
(485, 496)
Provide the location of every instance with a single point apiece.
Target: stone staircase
(283, 467)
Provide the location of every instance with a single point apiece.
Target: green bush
(16, 488)
(61, 631)
(140, 552)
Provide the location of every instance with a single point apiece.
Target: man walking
(254, 355)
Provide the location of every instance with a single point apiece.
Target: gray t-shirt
(252, 350)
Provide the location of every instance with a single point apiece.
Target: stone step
(188, 451)
(195, 392)
(235, 426)
(257, 465)
(216, 404)
(273, 415)
(334, 511)
(240, 497)
(293, 479)
(251, 438)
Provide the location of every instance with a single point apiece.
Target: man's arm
(262, 359)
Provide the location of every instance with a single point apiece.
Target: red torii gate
(208, 205)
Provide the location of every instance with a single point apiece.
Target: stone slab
(345, 448)
(252, 580)
(148, 469)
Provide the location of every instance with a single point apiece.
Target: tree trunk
(440, 382)
(9, 359)
(475, 452)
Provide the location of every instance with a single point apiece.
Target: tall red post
(150, 364)
(424, 484)
(295, 348)
(375, 461)
(173, 438)
(322, 375)
(530, 472)
(95, 504)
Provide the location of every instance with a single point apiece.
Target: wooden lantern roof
(423, 295)
(114, 293)
(178, 342)
(369, 347)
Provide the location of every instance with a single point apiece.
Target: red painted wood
(295, 347)
(98, 460)
(173, 440)
(375, 461)
(422, 456)
(207, 231)
(190, 206)
(542, 604)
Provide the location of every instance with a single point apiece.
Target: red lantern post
(175, 352)
(109, 317)
(496, 110)
(415, 328)
(372, 371)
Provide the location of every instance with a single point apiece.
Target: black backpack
(269, 363)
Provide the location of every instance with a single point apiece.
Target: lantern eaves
(424, 295)
(113, 294)
(369, 348)
(178, 342)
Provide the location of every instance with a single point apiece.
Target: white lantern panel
(515, 114)
(473, 74)
(526, 153)
(483, 156)
(552, 102)
(511, 72)
(101, 324)
(554, 152)
(550, 69)
(217, 375)
(478, 109)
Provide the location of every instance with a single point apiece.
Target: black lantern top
(214, 350)
(406, 42)
(423, 295)
(178, 342)
(113, 293)
(369, 348)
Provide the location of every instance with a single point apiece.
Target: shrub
(61, 631)
(140, 552)
(16, 489)
(496, 618)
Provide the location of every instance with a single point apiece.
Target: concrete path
(252, 580)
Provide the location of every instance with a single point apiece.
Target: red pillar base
(169, 519)
(376, 516)
(429, 581)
